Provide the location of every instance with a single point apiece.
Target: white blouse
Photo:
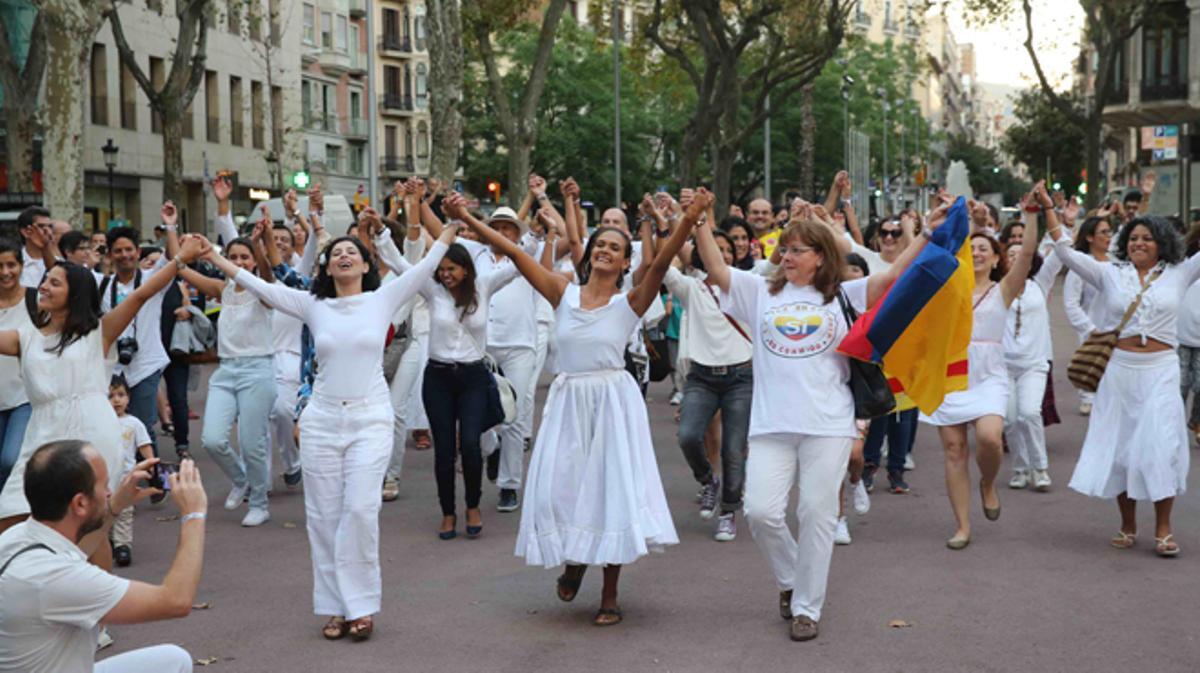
(454, 337)
(245, 325)
(1118, 284)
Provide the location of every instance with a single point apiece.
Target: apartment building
(402, 89)
(333, 93)
(238, 121)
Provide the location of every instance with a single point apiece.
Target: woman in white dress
(1095, 235)
(66, 362)
(1136, 447)
(593, 495)
(985, 401)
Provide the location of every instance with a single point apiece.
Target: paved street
(1040, 590)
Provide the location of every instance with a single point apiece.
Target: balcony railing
(397, 164)
(393, 42)
(319, 121)
(862, 19)
(1119, 96)
(357, 128)
(890, 26)
(213, 130)
(358, 9)
(1175, 88)
(394, 101)
(358, 63)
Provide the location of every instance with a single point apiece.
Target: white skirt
(987, 388)
(593, 495)
(1137, 440)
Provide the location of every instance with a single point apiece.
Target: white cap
(506, 214)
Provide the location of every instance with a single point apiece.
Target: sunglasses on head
(890, 233)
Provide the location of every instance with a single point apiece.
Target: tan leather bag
(1091, 358)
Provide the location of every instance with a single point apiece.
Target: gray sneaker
(803, 628)
(726, 528)
(708, 498)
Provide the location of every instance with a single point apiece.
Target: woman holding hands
(593, 495)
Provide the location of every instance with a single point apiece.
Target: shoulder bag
(872, 393)
(502, 396)
(1091, 358)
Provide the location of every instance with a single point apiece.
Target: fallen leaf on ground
(201, 606)
(899, 624)
(206, 662)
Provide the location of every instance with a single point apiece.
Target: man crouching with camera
(52, 601)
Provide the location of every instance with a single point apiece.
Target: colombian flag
(919, 331)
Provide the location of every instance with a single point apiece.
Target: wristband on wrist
(194, 515)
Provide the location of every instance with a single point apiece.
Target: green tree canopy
(1043, 132)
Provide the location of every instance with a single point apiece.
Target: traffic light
(301, 179)
(493, 188)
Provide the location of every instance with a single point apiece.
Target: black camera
(127, 347)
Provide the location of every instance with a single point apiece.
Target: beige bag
(1091, 358)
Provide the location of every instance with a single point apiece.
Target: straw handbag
(1091, 358)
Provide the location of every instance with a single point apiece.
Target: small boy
(135, 442)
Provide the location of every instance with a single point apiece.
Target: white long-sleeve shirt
(454, 337)
(349, 332)
(1078, 298)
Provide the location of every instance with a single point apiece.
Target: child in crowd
(135, 443)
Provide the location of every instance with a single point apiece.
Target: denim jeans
(901, 431)
(12, 433)
(176, 376)
(242, 390)
(143, 404)
(456, 400)
(706, 391)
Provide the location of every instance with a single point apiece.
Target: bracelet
(543, 197)
(171, 227)
(194, 515)
(927, 233)
(1051, 230)
(180, 264)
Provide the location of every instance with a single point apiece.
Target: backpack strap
(36, 545)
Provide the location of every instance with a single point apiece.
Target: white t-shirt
(51, 602)
(244, 331)
(12, 392)
(1189, 317)
(32, 269)
(146, 327)
(801, 383)
(133, 437)
(711, 339)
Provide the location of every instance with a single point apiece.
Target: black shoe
(868, 477)
(183, 452)
(122, 556)
(293, 479)
(493, 466)
(528, 444)
(896, 483)
(508, 500)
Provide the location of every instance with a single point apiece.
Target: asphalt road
(1040, 590)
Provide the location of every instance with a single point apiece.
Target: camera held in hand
(127, 347)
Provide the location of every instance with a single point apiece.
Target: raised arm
(1013, 283)
(223, 222)
(170, 220)
(115, 321)
(710, 254)
(209, 287)
(646, 291)
(291, 301)
(570, 192)
(400, 290)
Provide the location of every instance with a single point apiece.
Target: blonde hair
(820, 238)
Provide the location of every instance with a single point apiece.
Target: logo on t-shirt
(798, 330)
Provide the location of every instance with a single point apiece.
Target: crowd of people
(427, 323)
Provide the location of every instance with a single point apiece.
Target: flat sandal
(361, 628)
(607, 617)
(1166, 546)
(1123, 540)
(335, 629)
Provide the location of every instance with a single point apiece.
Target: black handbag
(872, 393)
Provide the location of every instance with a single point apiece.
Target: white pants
(159, 659)
(283, 414)
(1023, 423)
(518, 364)
(816, 464)
(344, 452)
(407, 409)
(541, 350)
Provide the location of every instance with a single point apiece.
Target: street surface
(1040, 590)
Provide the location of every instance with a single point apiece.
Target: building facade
(401, 90)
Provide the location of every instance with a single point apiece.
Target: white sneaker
(909, 463)
(1020, 479)
(256, 517)
(236, 495)
(677, 399)
(842, 535)
(862, 501)
(103, 640)
(1085, 408)
(1041, 480)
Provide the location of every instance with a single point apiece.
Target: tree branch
(130, 60)
(494, 80)
(1055, 100)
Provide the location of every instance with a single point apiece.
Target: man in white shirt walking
(52, 601)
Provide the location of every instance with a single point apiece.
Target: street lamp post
(110, 160)
(616, 47)
(886, 186)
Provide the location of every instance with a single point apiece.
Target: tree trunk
(20, 127)
(172, 127)
(808, 130)
(689, 155)
(71, 29)
(445, 87)
(1095, 131)
(724, 157)
(519, 166)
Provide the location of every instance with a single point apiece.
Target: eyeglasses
(890, 233)
(797, 250)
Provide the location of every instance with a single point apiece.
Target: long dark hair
(323, 286)
(249, 245)
(1088, 228)
(466, 297)
(698, 263)
(728, 224)
(1001, 267)
(1035, 264)
(1170, 245)
(83, 307)
(585, 265)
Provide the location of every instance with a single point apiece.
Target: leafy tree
(1043, 132)
(21, 80)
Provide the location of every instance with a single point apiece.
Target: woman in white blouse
(346, 429)
(1136, 446)
(1095, 235)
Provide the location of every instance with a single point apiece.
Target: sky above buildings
(999, 47)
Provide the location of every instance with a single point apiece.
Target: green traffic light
(301, 180)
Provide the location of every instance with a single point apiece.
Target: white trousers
(283, 414)
(1023, 423)
(407, 409)
(159, 659)
(519, 364)
(541, 350)
(344, 452)
(816, 464)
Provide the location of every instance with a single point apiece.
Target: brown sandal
(335, 629)
(361, 628)
(607, 617)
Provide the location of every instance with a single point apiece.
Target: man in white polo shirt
(52, 601)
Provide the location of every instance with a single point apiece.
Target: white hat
(506, 214)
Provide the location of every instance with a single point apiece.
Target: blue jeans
(241, 390)
(456, 402)
(901, 431)
(706, 391)
(143, 404)
(12, 433)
